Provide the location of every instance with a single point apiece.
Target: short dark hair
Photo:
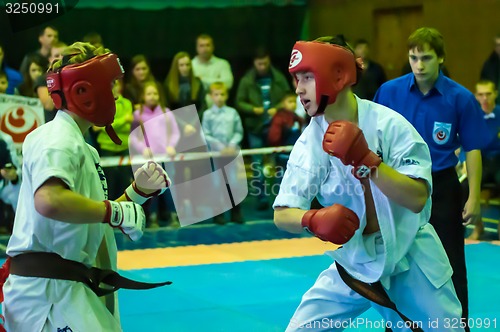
(487, 82)
(93, 38)
(42, 31)
(361, 41)
(205, 36)
(430, 36)
(261, 52)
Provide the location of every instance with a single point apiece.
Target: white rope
(140, 160)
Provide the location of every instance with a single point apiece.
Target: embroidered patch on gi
(102, 177)
(441, 133)
(409, 161)
(64, 329)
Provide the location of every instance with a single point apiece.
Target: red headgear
(333, 66)
(86, 89)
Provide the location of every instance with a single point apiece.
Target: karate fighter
(64, 221)
(371, 171)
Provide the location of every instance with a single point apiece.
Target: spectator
(40, 85)
(34, 67)
(14, 77)
(447, 116)
(223, 131)
(259, 91)
(181, 86)
(10, 181)
(94, 39)
(486, 94)
(10, 170)
(210, 68)
(373, 74)
(118, 177)
(4, 83)
(154, 137)
(491, 66)
(286, 125)
(140, 73)
(47, 37)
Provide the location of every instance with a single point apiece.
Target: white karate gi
(58, 149)
(405, 255)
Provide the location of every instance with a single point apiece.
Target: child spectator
(154, 138)
(140, 74)
(4, 82)
(285, 128)
(286, 125)
(40, 84)
(14, 77)
(10, 182)
(223, 131)
(118, 177)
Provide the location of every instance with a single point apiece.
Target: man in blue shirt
(447, 116)
(13, 76)
(486, 94)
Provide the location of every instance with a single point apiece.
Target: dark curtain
(159, 34)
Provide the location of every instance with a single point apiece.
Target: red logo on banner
(19, 122)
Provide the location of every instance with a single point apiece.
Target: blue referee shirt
(447, 117)
(493, 122)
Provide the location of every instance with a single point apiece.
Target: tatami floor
(256, 286)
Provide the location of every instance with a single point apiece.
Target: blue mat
(262, 295)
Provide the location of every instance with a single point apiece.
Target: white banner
(19, 116)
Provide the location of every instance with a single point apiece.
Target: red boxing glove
(344, 140)
(335, 223)
(4, 274)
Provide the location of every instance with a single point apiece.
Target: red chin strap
(333, 66)
(321, 106)
(112, 134)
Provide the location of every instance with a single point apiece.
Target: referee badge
(441, 132)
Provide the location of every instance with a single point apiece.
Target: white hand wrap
(150, 180)
(128, 216)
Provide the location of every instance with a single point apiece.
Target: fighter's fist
(335, 223)
(127, 216)
(150, 180)
(344, 140)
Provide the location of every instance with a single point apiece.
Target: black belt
(53, 266)
(445, 172)
(375, 293)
